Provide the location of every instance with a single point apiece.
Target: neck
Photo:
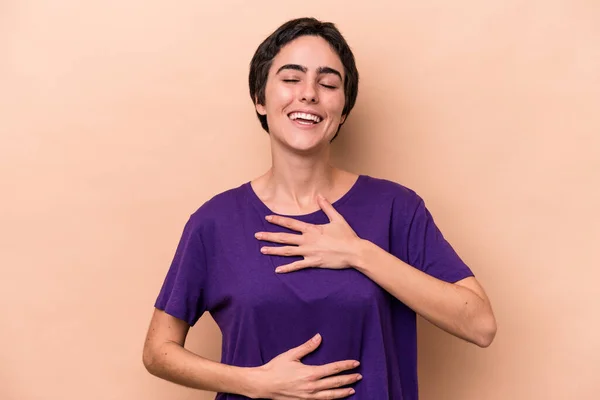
(295, 179)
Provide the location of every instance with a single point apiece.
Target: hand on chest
(247, 279)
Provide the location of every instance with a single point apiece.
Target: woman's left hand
(332, 245)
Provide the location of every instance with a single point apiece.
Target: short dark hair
(270, 47)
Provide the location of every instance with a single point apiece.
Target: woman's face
(304, 94)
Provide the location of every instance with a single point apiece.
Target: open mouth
(304, 118)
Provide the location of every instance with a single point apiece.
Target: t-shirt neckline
(265, 210)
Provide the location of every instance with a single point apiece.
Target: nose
(309, 93)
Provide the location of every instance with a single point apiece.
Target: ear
(343, 119)
(261, 109)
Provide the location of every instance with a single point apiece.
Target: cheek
(286, 97)
(337, 104)
(278, 97)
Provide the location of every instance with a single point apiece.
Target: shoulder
(396, 192)
(401, 202)
(219, 208)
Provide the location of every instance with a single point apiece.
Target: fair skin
(301, 180)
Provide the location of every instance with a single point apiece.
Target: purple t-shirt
(219, 268)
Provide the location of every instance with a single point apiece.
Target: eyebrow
(320, 70)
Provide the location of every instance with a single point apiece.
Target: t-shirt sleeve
(425, 246)
(182, 292)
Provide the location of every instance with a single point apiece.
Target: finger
(328, 209)
(337, 381)
(277, 237)
(295, 266)
(289, 223)
(305, 348)
(285, 251)
(334, 368)
(334, 394)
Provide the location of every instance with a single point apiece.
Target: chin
(300, 141)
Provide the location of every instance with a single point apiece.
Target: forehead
(311, 52)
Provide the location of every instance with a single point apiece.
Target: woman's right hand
(286, 378)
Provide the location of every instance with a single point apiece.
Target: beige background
(119, 118)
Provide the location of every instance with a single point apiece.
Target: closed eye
(298, 80)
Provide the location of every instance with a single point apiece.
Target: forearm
(174, 363)
(453, 308)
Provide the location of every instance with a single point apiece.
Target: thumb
(328, 208)
(306, 348)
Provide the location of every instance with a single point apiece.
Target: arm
(461, 309)
(165, 357)
(284, 377)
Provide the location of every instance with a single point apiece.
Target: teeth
(296, 115)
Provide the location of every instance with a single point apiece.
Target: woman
(310, 270)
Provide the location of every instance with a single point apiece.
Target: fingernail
(269, 217)
(351, 391)
(359, 377)
(356, 363)
(257, 235)
(278, 269)
(316, 338)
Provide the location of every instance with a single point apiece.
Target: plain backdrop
(118, 119)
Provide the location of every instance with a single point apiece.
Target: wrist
(254, 386)
(360, 254)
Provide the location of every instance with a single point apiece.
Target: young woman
(313, 274)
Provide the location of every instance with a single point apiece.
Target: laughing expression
(304, 94)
